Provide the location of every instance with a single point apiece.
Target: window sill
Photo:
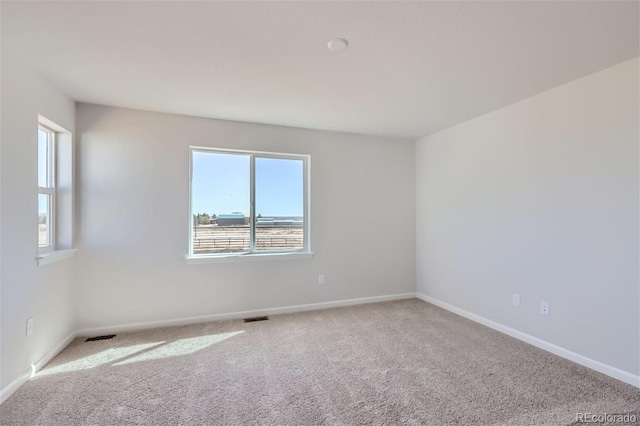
(247, 257)
(54, 256)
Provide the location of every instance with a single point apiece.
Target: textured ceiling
(411, 69)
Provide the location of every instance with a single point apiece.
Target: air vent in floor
(254, 319)
(108, 336)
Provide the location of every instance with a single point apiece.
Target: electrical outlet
(515, 299)
(544, 308)
(321, 279)
(29, 326)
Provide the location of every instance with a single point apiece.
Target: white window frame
(61, 193)
(50, 189)
(254, 254)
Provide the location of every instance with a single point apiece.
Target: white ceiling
(411, 69)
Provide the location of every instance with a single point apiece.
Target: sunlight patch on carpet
(180, 347)
(97, 359)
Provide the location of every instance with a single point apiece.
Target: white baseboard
(242, 314)
(610, 371)
(37, 366)
(8, 390)
(23, 378)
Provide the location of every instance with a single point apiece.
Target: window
(55, 192)
(46, 188)
(246, 202)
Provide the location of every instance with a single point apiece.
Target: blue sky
(43, 172)
(221, 185)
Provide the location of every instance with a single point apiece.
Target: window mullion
(52, 160)
(305, 208)
(252, 210)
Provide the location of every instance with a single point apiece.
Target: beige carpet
(405, 362)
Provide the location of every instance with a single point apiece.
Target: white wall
(28, 290)
(541, 198)
(133, 230)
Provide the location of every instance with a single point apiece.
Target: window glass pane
(44, 220)
(43, 159)
(279, 186)
(220, 202)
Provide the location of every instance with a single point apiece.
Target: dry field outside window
(42, 235)
(232, 239)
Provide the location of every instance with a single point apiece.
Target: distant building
(264, 221)
(279, 221)
(231, 219)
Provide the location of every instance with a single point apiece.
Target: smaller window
(46, 188)
(55, 191)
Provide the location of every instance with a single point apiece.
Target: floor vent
(254, 319)
(107, 337)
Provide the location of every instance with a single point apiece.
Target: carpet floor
(401, 362)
